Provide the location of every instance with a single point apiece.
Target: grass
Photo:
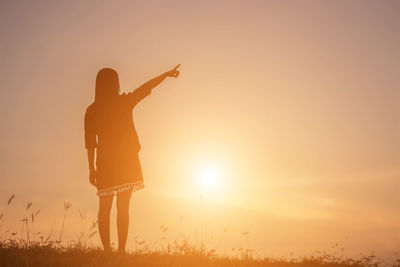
(17, 254)
(27, 250)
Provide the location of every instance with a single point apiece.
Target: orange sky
(295, 103)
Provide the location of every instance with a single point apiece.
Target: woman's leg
(123, 199)
(104, 220)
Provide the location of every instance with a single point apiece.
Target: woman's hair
(107, 85)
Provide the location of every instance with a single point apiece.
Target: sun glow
(209, 177)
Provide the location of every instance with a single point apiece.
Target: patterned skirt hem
(120, 188)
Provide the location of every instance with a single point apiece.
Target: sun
(209, 177)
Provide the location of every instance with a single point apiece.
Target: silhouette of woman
(110, 132)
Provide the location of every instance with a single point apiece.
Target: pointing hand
(174, 72)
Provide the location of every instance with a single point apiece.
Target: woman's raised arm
(145, 89)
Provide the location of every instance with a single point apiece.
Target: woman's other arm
(92, 170)
(90, 142)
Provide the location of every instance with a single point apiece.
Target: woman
(110, 132)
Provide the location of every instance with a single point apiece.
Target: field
(13, 253)
(30, 248)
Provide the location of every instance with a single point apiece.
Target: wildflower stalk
(4, 213)
(67, 205)
(25, 219)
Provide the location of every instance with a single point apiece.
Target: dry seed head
(10, 199)
(139, 242)
(93, 225)
(92, 234)
(82, 214)
(67, 205)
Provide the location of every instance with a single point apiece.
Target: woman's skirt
(116, 176)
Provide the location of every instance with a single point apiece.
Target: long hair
(107, 85)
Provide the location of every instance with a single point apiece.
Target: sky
(292, 106)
